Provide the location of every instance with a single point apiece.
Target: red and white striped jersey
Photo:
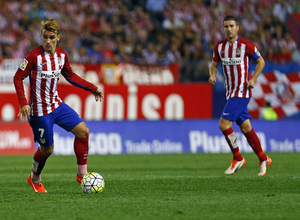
(235, 60)
(44, 71)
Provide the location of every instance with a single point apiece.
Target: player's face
(50, 40)
(231, 29)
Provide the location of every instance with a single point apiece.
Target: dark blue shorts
(236, 110)
(42, 127)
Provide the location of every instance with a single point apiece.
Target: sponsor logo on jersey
(23, 64)
(50, 74)
(231, 61)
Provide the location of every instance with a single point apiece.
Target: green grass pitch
(171, 186)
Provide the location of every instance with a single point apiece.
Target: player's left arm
(76, 80)
(260, 64)
(99, 96)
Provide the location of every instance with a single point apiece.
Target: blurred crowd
(157, 32)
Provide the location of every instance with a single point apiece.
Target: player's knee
(47, 151)
(84, 132)
(245, 130)
(81, 131)
(246, 127)
(223, 126)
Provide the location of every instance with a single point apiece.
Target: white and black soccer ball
(92, 183)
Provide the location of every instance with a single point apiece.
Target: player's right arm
(24, 113)
(213, 71)
(23, 71)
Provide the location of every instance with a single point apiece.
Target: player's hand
(212, 80)
(99, 96)
(251, 83)
(24, 113)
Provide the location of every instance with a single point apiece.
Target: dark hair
(231, 18)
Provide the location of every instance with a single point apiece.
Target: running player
(44, 65)
(235, 53)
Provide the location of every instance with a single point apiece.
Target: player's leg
(252, 139)
(254, 142)
(43, 134)
(238, 161)
(81, 148)
(68, 119)
(225, 126)
(231, 112)
(39, 160)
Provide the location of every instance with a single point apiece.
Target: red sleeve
(216, 56)
(252, 51)
(23, 71)
(74, 79)
(250, 48)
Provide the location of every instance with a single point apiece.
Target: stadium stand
(144, 32)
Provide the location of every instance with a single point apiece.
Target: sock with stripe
(39, 161)
(232, 142)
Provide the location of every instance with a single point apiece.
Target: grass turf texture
(185, 186)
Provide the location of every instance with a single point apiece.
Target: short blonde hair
(50, 25)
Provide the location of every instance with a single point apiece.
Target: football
(92, 183)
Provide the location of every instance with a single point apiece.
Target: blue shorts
(42, 127)
(236, 110)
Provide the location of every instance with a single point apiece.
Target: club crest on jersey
(23, 64)
(238, 51)
(59, 62)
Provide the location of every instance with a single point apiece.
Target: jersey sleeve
(252, 51)
(74, 79)
(216, 56)
(23, 71)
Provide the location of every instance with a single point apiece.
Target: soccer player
(235, 52)
(44, 65)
